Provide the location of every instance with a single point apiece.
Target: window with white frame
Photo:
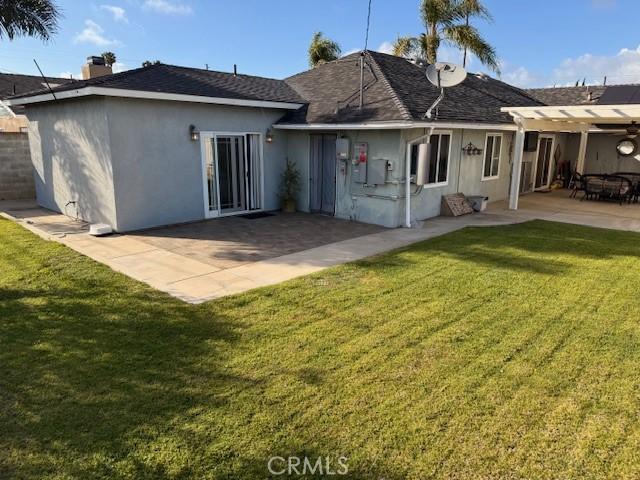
(492, 146)
(438, 167)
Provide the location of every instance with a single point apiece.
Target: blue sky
(540, 43)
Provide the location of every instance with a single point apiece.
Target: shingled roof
(587, 95)
(396, 89)
(163, 78)
(15, 84)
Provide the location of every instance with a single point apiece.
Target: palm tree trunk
(432, 44)
(464, 55)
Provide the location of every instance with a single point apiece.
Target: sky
(539, 43)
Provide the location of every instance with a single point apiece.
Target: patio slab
(204, 261)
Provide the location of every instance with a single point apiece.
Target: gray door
(323, 173)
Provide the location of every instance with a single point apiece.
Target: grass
(504, 352)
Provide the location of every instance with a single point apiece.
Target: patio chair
(593, 186)
(576, 184)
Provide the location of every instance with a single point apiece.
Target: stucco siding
(385, 204)
(602, 156)
(158, 169)
(298, 150)
(70, 151)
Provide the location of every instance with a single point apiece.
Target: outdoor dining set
(623, 187)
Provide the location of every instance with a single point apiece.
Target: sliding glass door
(232, 167)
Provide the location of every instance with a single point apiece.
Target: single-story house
(166, 144)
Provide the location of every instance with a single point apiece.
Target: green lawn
(505, 352)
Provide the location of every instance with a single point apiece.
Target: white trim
(410, 144)
(211, 135)
(483, 178)
(177, 97)
(396, 126)
(535, 170)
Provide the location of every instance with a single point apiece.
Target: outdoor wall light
(471, 149)
(194, 134)
(269, 136)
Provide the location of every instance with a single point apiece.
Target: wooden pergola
(580, 119)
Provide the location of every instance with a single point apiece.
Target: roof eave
(396, 125)
(141, 94)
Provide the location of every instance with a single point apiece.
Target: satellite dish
(442, 75)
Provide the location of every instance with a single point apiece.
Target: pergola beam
(554, 125)
(578, 113)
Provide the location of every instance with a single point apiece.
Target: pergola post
(582, 152)
(516, 168)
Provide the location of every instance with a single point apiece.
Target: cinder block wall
(16, 170)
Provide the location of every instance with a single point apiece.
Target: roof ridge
(404, 110)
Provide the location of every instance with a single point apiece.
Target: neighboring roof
(587, 95)
(620, 95)
(16, 84)
(172, 79)
(396, 89)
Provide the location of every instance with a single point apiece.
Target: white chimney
(95, 67)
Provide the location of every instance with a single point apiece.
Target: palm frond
(439, 12)
(466, 36)
(474, 9)
(33, 18)
(322, 50)
(403, 46)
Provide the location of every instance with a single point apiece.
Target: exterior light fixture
(269, 136)
(194, 133)
(471, 149)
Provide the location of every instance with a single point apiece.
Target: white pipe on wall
(407, 161)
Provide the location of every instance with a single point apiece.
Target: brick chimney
(95, 67)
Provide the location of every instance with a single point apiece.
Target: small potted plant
(290, 187)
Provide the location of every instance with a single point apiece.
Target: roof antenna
(206, 66)
(235, 70)
(366, 43)
(605, 80)
(45, 79)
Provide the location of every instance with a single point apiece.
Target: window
(491, 167)
(438, 167)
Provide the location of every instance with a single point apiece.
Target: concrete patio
(211, 259)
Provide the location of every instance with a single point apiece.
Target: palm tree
(447, 21)
(109, 58)
(32, 18)
(322, 50)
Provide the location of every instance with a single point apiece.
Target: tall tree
(109, 58)
(322, 50)
(30, 18)
(447, 21)
(473, 9)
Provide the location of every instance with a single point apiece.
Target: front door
(544, 162)
(323, 173)
(232, 173)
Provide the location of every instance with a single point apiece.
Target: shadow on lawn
(87, 378)
(133, 386)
